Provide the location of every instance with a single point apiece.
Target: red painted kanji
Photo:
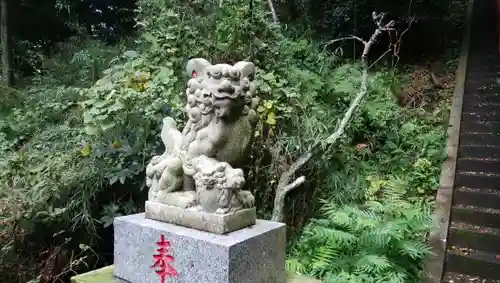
(163, 259)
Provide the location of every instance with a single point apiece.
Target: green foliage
(439, 21)
(48, 186)
(376, 212)
(382, 240)
(76, 141)
(39, 27)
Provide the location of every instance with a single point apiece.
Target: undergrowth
(76, 139)
(375, 229)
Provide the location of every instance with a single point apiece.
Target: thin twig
(273, 11)
(397, 45)
(351, 37)
(379, 58)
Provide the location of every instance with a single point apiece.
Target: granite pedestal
(255, 254)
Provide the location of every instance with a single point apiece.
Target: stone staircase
(473, 242)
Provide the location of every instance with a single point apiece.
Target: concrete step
(477, 216)
(474, 237)
(473, 151)
(481, 116)
(473, 262)
(479, 181)
(452, 277)
(481, 94)
(474, 126)
(478, 165)
(480, 139)
(481, 107)
(486, 198)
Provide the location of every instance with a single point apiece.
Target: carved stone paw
(149, 170)
(149, 181)
(155, 159)
(224, 210)
(247, 199)
(177, 199)
(196, 208)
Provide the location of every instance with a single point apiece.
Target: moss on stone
(105, 275)
(296, 278)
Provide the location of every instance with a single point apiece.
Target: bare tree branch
(279, 200)
(5, 46)
(351, 37)
(285, 184)
(273, 11)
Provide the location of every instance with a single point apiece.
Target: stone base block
(251, 255)
(210, 222)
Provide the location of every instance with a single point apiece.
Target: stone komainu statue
(196, 169)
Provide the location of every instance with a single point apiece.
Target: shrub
(379, 241)
(75, 145)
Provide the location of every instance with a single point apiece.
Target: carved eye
(214, 72)
(245, 84)
(191, 100)
(235, 73)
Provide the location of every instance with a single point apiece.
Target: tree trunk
(4, 38)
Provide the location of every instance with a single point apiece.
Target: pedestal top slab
(229, 239)
(210, 222)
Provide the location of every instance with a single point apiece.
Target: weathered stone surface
(185, 199)
(251, 255)
(192, 218)
(216, 138)
(105, 275)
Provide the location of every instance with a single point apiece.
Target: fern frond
(323, 263)
(393, 277)
(372, 263)
(340, 218)
(413, 249)
(376, 206)
(343, 277)
(325, 255)
(333, 235)
(294, 265)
